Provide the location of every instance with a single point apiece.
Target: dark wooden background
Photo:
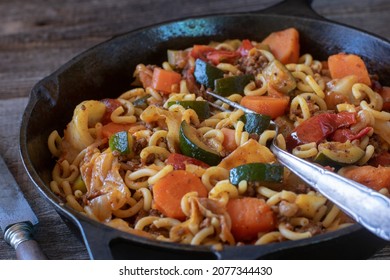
(37, 36)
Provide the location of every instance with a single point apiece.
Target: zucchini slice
(121, 142)
(255, 123)
(337, 154)
(279, 77)
(202, 108)
(206, 73)
(192, 146)
(257, 172)
(142, 102)
(177, 58)
(233, 84)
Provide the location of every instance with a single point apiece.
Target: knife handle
(29, 250)
(19, 236)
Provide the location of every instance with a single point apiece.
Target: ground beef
(139, 145)
(252, 64)
(313, 228)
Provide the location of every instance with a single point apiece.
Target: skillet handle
(300, 8)
(250, 252)
(96, 240)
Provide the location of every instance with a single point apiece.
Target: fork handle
(366, 206)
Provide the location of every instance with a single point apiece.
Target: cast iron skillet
(106, 71)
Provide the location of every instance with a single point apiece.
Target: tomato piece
(345, 119)
(218, 56)
(207, 53)
(343, 134)
(245, 47)
(201, 51)
(318, 127)
(179, 161)
(382, 159)
(111, 104)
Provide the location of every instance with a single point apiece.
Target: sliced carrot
(342, 64)
(385, 93)
(112, 128)
(272, 92)
(229, 140)
(170, 189)
(250, 216)
(164, 80)
(179, 161)
(376, 178)
(284, 45)
(266, 105)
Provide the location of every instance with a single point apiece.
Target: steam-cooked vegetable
(342, 64)
(284, 45)
(279, 77)
(256, 172)
(122, 142)
(337, 154)
(233, 84)
(206, 73)
(191, 145)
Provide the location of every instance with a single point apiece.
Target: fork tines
(229, 102)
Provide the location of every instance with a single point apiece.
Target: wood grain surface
(38, 36)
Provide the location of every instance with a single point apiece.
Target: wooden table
(37, 36)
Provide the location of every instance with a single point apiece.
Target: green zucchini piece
(121, 142)
(202, 108)
(232, 84)
(142, 102)
(192, 146)
(257, 172)
(337, 154)
(206, 73)
(279, 77)
(255, 123)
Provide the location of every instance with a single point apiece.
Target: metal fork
(367, 207)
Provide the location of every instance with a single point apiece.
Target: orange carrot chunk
(375, 178)
(112, 128)
(164, 80)
(342, 64)
(249, 216)
(284, 45)
(266, 105)
(274, 92)
(170, 189)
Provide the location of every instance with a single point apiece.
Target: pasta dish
(167, 161)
